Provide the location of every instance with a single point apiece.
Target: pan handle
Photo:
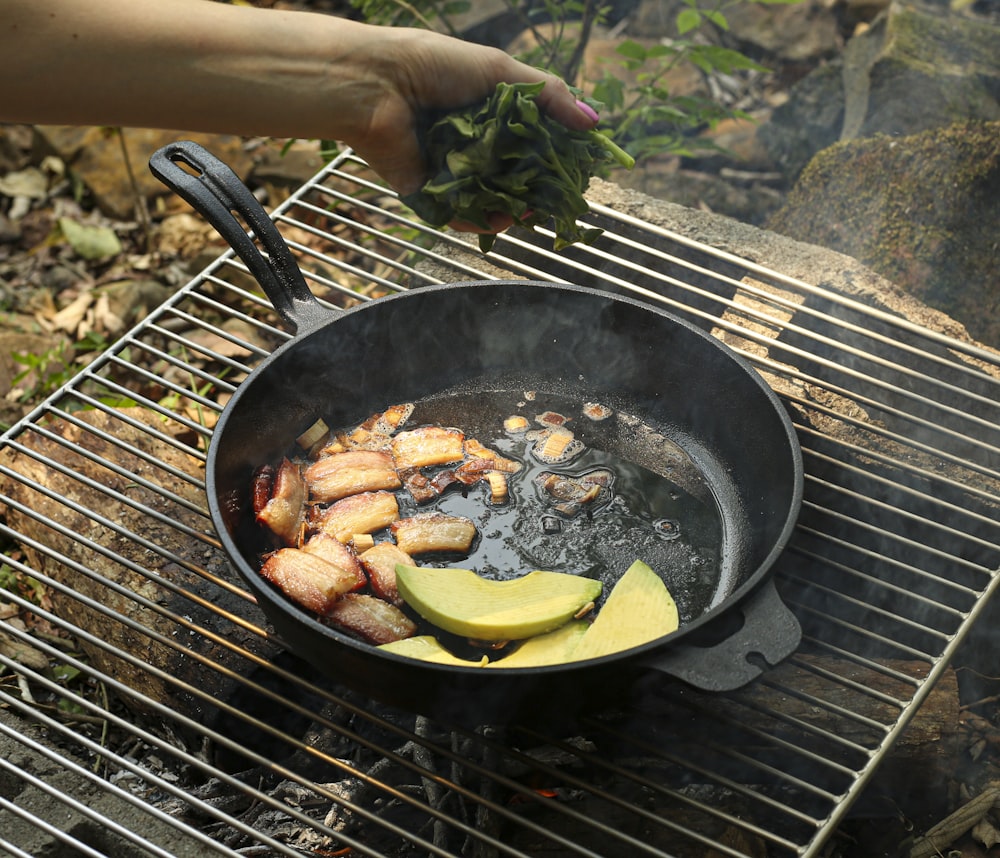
(217, 193)
(770, 633)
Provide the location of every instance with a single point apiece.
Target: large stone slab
(920, 66)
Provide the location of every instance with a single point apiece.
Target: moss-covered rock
(920, 67)
(921, 210)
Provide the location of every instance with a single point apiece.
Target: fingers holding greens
(506, 157)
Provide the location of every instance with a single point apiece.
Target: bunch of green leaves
(505, 156)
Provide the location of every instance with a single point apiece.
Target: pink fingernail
(588, 111)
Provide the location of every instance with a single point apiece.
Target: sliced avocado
(638, 609)
(551, 648)
(459, 601)
(428, 648)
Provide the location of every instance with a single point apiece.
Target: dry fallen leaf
(29, 183)
(985, 832)
(70, 317)
(22, 653)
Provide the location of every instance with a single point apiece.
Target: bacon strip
(434, 531)
(367, 512)
(475, 449)
(342, 474)
(334, 552)
(428, 445)
(307, 578)
(371, 618)
(379, 563)
(284, 513)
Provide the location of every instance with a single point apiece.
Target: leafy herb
(506, 156)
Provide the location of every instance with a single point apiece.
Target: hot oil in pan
(668, 518)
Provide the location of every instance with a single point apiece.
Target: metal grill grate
(204, 737)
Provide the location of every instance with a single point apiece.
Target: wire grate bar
(894, 556)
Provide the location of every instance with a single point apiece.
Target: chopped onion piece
(362, 542)
(313, 435)
(498, 487)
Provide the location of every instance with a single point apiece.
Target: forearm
(185, 64)
(194, 65)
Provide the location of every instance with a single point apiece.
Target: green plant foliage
(23, 585)
(644, 115)
(50, 370)
(506, 156)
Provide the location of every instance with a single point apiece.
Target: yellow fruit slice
(460, 602)
(639, 609)
(551, 648)
(428, 648)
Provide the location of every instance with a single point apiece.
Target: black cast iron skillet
(457, 350)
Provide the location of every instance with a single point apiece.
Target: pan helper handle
(217, 193)
(770, 633)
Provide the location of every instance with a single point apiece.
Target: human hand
(423, 71)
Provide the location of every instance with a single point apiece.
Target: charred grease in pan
(668, 518)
